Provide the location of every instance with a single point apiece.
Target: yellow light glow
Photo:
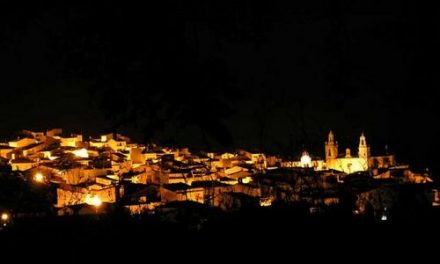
(95, 200)
(5, 217)
(265, 202)
(81, 153)
(39, 177)
(246, 180)
(306, 160)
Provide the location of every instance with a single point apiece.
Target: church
(349, 163)
(345, 162)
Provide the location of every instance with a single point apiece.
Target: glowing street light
(95, 200)
(5, 217)
(39, 177)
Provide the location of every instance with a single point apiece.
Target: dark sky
(270, 76)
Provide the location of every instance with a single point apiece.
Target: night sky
(253, 74)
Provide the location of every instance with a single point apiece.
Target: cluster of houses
(93, 174)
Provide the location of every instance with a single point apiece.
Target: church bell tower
(331, 147)
(364, 150)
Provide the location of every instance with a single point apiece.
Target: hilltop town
(95, 176)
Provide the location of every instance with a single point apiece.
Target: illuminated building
(346, 162)
(349, 163)
(306, 160)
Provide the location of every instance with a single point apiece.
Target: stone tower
(331, 147)
(364, 150)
